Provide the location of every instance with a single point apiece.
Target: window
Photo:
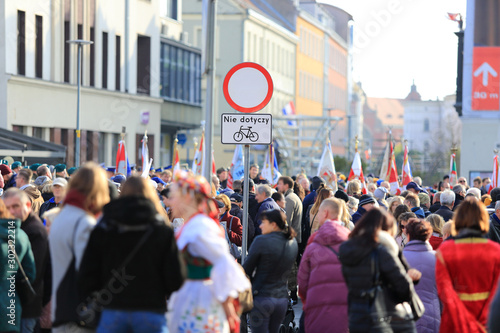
(92, 57)
(426, 125)
(21, 42)
(104, 59)
(180, 73)
(172, 9)
(143, 64)
(80, 36)
(38, 46)
(117, 62)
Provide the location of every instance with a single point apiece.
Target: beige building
(127, 75)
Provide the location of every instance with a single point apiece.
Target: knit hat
(60, 167)
(380, 193)
(424, 198)
(4, 168)
(342, 195)
(366, 199)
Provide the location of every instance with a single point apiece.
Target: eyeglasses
(402, 226)
(461, 181)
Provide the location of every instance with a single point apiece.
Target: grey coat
(293, 210)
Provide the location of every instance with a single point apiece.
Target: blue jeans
(28, 325)
(267, 314)
(132, 321)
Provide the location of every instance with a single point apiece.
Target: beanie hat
(365, 199)
(424, 198)
(72, 170)
(4, 168)
(34, 166)
(380, 193)
(342, 195)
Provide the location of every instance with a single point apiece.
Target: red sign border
(225, 87)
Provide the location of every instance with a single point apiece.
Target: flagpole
(246, 191)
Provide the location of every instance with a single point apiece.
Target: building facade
(124, 75)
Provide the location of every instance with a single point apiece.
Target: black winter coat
(38, 237)
(356, 259)
(154, 272)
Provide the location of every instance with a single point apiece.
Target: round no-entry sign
(248, 87)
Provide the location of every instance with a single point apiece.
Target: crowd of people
(88, 250)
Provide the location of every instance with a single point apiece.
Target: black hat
(220, 204)
(366, 199)
(235, 197)
(415, 186)
(342, 195)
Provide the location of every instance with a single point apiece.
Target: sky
(398, 41)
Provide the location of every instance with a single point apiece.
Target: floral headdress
(189, 181)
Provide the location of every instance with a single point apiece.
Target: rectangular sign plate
(246, 129)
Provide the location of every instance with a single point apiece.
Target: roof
(282, 12)
(390, 111)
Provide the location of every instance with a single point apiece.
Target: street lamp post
(80, 43)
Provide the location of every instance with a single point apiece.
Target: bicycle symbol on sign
(247, 133)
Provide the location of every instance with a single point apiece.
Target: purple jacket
(421, 257)
(322, 286)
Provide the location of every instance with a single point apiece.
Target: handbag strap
(132, 253)
(25, 277)
(336, 253)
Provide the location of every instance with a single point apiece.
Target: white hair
(475, 192)
(447, 197)
(265, 189)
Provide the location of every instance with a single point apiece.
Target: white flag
(326, 168)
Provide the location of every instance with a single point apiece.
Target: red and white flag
(326, 168)
(407, 176)
(392, 176)
(199, 157)
(455, 17)
(494, 178)
(122, 163)
(357, 172)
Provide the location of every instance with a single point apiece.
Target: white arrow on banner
(485, 69)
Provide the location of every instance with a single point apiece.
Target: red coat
(467, 272)
(236, 232)
(435, 241)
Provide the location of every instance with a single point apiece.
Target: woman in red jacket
(467, 271)
(231, 223)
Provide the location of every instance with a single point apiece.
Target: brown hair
(90, 180)
(321, 195)
(287, 181)
(25, 174)
(4, 213)
(367, 228)
(412, 199)
(136, 185)
(472, 214)
(400, 210)
(436, 221)
(419, 229)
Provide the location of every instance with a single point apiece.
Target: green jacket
(10, 303)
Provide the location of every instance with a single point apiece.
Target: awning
(30, 149)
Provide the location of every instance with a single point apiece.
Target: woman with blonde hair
(132, 236)
(467, 270)
(206, 300)
(87, 194)
(393, 202)
(437, 223)
(354, 188)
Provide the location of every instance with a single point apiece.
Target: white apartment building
(137, 74)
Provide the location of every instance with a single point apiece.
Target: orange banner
(486, 79)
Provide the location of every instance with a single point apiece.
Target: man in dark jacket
(459, 195)
(494, 233)
(253, 204)
(366, 202)
(9, 177)
(236, 204)
(436, 203)
(19, 205)
(495, 196)
(447, 201)
(263, 196)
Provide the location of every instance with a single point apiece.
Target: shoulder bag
(234, 249)
(25, 289)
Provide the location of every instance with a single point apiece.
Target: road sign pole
(246, 191)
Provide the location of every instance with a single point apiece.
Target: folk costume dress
(467, 272)
(213, 276)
